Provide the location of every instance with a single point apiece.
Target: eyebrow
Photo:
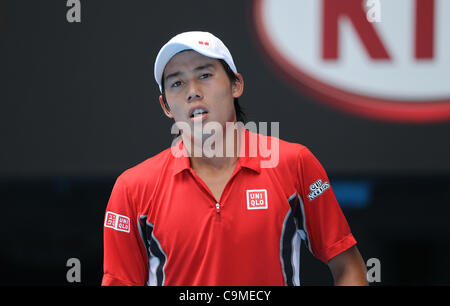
(175, 74)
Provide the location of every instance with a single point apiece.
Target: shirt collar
(249, 153)
(248, 157)
(181, 157)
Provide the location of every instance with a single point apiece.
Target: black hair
(240, 115)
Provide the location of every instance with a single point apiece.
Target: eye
(176, 84)
(205, 75)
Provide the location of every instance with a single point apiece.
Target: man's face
(198, 89)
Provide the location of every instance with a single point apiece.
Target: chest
(224, 211)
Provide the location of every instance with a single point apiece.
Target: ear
(163, 106)
(237, 86)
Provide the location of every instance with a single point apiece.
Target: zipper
(205, 187)
(218, 208)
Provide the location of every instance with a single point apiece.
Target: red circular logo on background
(386, 60)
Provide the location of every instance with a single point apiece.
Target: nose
(194, 93)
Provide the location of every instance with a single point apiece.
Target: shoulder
(286, 156)
(288, 152)
(297, 155)
(143, 176)
(292, 150)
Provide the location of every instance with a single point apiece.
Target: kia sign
(387, 59)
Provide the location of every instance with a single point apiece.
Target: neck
(215, 153)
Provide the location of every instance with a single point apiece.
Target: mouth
(198, 113)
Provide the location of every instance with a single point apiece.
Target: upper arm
(327, 229)
(125, 258)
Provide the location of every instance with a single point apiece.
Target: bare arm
(348, 268)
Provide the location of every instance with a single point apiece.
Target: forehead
(187, 60)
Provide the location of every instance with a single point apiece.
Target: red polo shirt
(163, 225)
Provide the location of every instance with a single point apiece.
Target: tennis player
(234, 216)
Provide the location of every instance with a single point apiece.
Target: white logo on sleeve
(257, 199)
(117, 222)
(317, 188)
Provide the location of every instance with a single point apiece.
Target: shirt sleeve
(125, 260)
(327, 232)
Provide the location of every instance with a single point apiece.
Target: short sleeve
(327, 231)
(125, 258)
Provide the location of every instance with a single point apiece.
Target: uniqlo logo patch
(257, 199)
(117, 222)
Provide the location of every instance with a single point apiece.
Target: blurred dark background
(79, 105)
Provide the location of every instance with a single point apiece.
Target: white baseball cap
(203, 42)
